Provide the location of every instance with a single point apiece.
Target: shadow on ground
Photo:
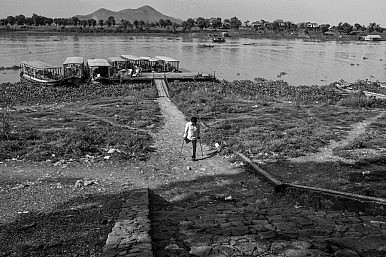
(75, 228)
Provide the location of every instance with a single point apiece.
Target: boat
(74, 70)
(206, 45)
(372, 38)
(170, 64)
(118, 67)
(98, 70)
(40, 72)
(218, 40)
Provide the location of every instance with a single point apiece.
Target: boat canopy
(74, 60)
(116, 59)
(130, 57)
(39, 65)
(97, 63)
(172, 63)
(144, 58)
(166, 59)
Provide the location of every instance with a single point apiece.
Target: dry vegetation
(271, 122)
(65, 156)
(49, 123)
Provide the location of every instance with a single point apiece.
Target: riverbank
(67, 206)
(239, 33)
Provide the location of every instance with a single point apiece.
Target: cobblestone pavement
(213, 208)
(246, 221)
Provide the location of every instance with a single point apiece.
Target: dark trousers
(194, 144)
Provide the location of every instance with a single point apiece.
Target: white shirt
(192, 132)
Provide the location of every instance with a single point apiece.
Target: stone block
(267, 235)
(200, 251)
(238, 231)
(287, 227)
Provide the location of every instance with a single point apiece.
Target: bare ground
(68, 208)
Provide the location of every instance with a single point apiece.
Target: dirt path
(166, 166)
(326, 154)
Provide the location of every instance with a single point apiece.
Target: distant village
(373, 31)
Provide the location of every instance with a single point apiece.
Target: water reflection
(297, 61)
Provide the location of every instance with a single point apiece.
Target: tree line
(189, 24)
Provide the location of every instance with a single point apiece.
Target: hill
(145, 13)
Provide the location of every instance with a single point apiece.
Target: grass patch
(267, 118)
(71, 122)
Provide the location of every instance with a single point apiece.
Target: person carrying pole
(192, 134)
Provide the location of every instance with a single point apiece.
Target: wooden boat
(98, 70)
(170, 64)
(40, 72)
(118, 67)
(218, 40)
(74, 70)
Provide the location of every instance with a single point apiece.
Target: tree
(161, 23)
(20, 19)
(11, 20)
(246, 23)
(345, 28)
(358, 26)
(202, 23)
(191, 23)
(216, 23)
(324, 27)
(235, 23)
(75, 21)
(48, 21)
(174, 26)
(227, 23)
(276, 26)
(35, 19)
(136, 23)
(141, 24)
(84, 23)
(168, 23)
(111, 21)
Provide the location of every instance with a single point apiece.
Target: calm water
(304, 62)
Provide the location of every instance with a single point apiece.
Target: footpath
(212, 207)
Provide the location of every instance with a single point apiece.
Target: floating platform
(170, 76)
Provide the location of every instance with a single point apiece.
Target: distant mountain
(145, 13)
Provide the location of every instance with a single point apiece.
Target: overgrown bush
(360, 101)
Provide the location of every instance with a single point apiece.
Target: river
(299, 62)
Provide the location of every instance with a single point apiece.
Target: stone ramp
(249, 227)
(130, 236)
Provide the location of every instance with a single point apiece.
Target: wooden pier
(170, 76)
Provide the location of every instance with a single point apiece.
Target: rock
(27, 226)
(346, 253)
(90, 182)
(20, 186)
(172, 247)
(79, 183)
(107, 157)
(200, 250)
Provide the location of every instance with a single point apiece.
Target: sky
(321, 11)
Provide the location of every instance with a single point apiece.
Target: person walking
(192, 134)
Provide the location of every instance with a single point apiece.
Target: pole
(182, 146)
(201, 147)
